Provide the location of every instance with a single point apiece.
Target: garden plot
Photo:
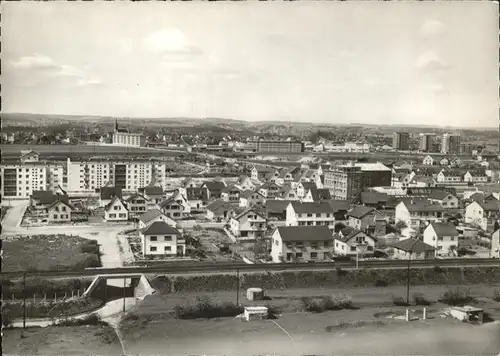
(211, 241)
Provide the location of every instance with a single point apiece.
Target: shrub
(438, 269)
(90, 247)
(205, 308)
(399, 301)
(273, 312)
(381, 283)
(319, 305)
(420, 299)
(341, 272)
(92, 319)
(457, 297)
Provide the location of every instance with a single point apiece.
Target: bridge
(202, 268)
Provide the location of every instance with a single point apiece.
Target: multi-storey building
(310, 214)
(427, 142)
(123, 137)
(347, 181)
(450, 144)
(301, 243)
(276, 146)
(401, 141)
(20, 180)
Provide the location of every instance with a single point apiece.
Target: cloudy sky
(333, 62)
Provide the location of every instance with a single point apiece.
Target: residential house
(155, 215)
(352, 242)
(59, 211)
(276, 209)
(219, 210)
(107, 194)
(339, 208)
(301, 243)
(475, 177)
(188, 183)
(214, 189)
(304, 187)
(444, 161)
(413, 249)
(182, 200)
(416, 212)
(447, 200)
(363, 217)
(310, 214)
(153, 195)
(249, 199)
(172, 208)
(245, 183)
(29, 156)
(428, 161)
(443, 237)
(197, 198)
(316, 195)
(262, 173)
(449, 176)
(137, 204)
(160, 239)
(287, 193)
(231, 194)
(483, 213)
(248, 223)
(116, 210)
(456, 162)
(374, 200)
(42, 199)
(495, 244)
(269, 190)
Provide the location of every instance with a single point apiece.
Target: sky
(429, 63)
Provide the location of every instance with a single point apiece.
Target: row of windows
(156, 238)
(121, 215)
(62, 216)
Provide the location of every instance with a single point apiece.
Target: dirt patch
(49, 252)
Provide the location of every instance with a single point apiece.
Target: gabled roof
(309, 185)
(113, 201)
(135, 196)
(276, 206)
(231, 188)
(214, 186)
(338, 205)
(418, 205)
(219, 206)
(321, 194)
(239, 214)
(361, 211)
(160, 228)
(479, 197)
(150, 215)
(60, 201)
(305, 233)
(29, 152)
(268, 185)
(153, 190)
(438, 194)
(242, 179)
(249, 193)
(349, 234)
(452, 172)
(167, 202)
(413, 245)
(110, 192)
(374, 197)
(316, 207)
(443, 229)
(46, 197)
(197, 193)
(490, 205)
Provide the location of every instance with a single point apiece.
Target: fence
(47, 299)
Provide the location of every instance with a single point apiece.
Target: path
(109, 312)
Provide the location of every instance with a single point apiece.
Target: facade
(155, 215)
(449, 176)
(428, 161)
(160, 239)
(443, 237)
(347, 181)
(450, 144)
(401, 141)
(265, 146)
(495, 244)
(249, 199)
(137, 205)
(171, 208)
(123, 137)
(116, 210)
(20, 180)
(475, 177)
(362, 217)
(352, 242)
(269, 190)
(427, 142)
(245, 183)
(310, 214)
(414, 213)
(106, 195)
(301, 243)
(59, 212)
(219, 210)
(446, 199)
(249, 224)
(482, 214)
(231, 194)
(413, 249)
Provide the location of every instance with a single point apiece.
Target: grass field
(49, 252)
(67, 341)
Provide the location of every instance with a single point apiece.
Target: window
(298, 255)
(369, 248)
(168, 248)
(152, 248)
(326, 244)
(168, 238)
(154, 238)
(55, 216)
(314, 255)
(309, 215)
(112, 216)
(353, 248)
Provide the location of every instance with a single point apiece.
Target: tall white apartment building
(20, 180)
(55, 177)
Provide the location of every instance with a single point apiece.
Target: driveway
(12, 218)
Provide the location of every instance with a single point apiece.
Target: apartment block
(427, 142)
(401, 141)
(276, 146)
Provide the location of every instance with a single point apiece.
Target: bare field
(67, 341)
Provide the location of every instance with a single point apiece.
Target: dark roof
(416, 205)
(46, 197)
(359, 212)
(168, 202)
(214, 186)
(309, 185)
(317, 207)
(321, 194)
(230, 189)
(438, 194)
(276, 206)
(107, 207)
(248, 193)
(305, 233)
(479, 197)
(63, 201)
(133, 196)
(150, 215)
(268, 185)
(238, 213)
(413, 245)
(338, 205)
(490, 205)
(153, 190)
(348, 233)
(219, 206)
(110, 192)
(374, 198)
(197, 193)
(160, 228)
(443, 229)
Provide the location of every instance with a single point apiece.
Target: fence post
(64, 295)
(55, 297)
(72, 294)
(78, 293)
(34, 298)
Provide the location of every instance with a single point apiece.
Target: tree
(339, 226)
(400, 225)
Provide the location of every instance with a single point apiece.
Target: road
(189, 267)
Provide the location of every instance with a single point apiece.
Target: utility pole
(408, 276)
(24, 301)
(238, 286)
(124, 283)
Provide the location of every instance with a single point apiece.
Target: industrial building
(125, 138)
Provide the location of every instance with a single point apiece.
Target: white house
(475, 177)
(269, 190)
(414, 213)
(352, 242)
(443, 237)
(137, 204)
(449, 176)
(413, 249)
(304, 187)
(245, 183)
(171, 208)
(248, 223)
(249, 199)
(155, 215)
(219, 210)
(301, 243)
(446, 199)
(482, 214)
(59, 211)
(495, 244)
(310, 214)
(428, 161)
(160, 239)
(116, 210)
